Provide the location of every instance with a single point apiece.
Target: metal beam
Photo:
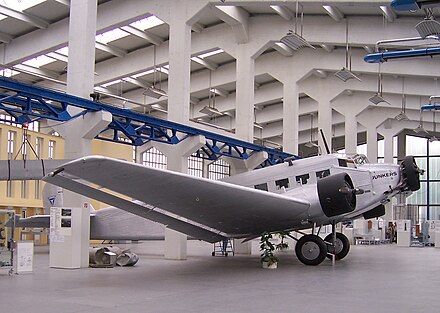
(25, 17)
(156, 40)
(27, 103)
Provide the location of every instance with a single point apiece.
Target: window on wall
(427, 156)
(11, 144)
(195, 166)
(9, 189)
(37, 189)
(39, 146)
(51, 152)
(219, 169)
(154, 158)
(24, 189)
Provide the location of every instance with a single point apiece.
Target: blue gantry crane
(27, 103)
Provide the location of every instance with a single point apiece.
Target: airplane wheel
(411, 172)
(342, 246)
(311, 250)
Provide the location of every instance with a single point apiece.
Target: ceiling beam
(282, 11)
(6, 38)
(283, 49)
(388, 13)
(237, 18)
(154, 39)
(206, 63)
(65, 2)
(43, 73)
(111, 49)
(58, 56)
(137, 82)
(333, 12)
(24, 17)
(197, 27)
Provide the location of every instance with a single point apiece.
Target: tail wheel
(411, 173)
(311, 250)
(341, 247)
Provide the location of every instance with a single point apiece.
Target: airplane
(294, 196)
(107, 224)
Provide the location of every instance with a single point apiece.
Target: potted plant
(267, 248)
(282, 245)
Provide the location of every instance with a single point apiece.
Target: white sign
(25, 256)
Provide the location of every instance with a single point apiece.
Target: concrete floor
(382, 278)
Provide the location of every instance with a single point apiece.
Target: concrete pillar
(350, 132)
(244, 121)
(240, 166)
(325, 123)
(177, 160)
(179, 61)
(290, 116)
(372, 143)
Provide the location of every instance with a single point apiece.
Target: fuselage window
(282, 183)
(261, 187)
(302, 179)
(322, 174)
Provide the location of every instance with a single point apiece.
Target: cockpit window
(282, 183)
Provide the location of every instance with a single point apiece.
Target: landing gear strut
(340, 247)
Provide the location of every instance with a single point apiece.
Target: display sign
(25, 256)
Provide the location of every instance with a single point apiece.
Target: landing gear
(341, 246)
(311, 250)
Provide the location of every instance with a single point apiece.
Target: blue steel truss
(381, 57)
(27, 103)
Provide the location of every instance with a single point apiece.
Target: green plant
(282, 245)
(267, 248)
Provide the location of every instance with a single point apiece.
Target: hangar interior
(226, 67)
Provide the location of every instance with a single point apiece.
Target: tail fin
(90, 207)
(52, 197)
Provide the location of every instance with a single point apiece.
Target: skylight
(8, 73)
(210, 53)
(20, 5)
(111, 35)
(39, 61)
(111, 83)
(63, 51)
(147, 22)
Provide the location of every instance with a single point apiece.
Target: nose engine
(410, 174)
(337, 194)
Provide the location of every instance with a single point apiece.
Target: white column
(350, 132)
(324, 123)
(244, 121)
(78, 133)
(372, 143)
(179, 61)
(388, 142)
(178, 108)
(290, 116)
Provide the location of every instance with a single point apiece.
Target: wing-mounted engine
(337, 194)
(410, 174)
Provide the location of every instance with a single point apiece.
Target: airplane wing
(37, 221)
(196, 206)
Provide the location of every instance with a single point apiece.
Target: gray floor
(383, 278)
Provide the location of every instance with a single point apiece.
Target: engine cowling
(375, 212)
(411, 173)
(337, 194)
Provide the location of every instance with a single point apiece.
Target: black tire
(342, 246)
(311, 250)
(411, 173)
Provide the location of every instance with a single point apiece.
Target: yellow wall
(33, 203)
